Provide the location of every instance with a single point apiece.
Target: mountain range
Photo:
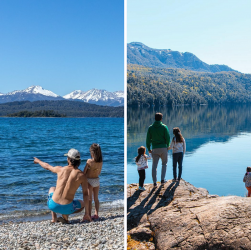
(93, 96)
(138, 53)
(165, 77)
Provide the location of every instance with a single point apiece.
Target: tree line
(162, 86)
(64, 107)
(42, 113)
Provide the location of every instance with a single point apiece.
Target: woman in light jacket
(178, 145)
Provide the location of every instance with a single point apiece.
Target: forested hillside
(64, 108)
(42, 113)
(163, 86)
(138, 53)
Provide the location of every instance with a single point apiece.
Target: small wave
(22, 214)
(116, 203)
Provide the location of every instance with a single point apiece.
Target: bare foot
(87, 217)
(65, 217)
(63, 221)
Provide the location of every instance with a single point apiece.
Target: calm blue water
(218, 145)
(24, 185)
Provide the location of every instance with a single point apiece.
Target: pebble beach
(105, 233)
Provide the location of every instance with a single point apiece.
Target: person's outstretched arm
(149, 157)
(148, 141)
(171, 146)
(47, 166)
(84, 185)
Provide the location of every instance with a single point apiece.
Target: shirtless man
(69, 178)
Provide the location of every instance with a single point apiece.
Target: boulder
(181, 216)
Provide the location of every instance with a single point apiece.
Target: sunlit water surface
(218, 145)
(24, 185)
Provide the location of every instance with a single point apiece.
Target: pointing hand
(36, 160)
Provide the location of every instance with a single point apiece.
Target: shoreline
(47, 215)
(105, 233)
(133, 184)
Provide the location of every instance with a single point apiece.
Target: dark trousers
(142, 176)
(177, 157)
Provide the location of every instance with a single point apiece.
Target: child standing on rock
(247, 180)
(178, 145)
(141, 161)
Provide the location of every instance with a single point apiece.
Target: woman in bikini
(92, 170)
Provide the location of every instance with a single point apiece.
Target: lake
(24, 185)
(218, 140)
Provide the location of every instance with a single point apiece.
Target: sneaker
(174, 180)
(154, 185)
(142, 188)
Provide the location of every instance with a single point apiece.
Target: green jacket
(158, 136)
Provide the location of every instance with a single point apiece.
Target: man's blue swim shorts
(63, 209)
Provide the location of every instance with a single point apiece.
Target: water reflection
(205, 128)
(199, 124)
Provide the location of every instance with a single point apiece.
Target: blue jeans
(177, 157)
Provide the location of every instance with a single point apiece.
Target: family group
(69, 179)
(158, 144)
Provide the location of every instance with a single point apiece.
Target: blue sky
(62, 45)
(216, 31)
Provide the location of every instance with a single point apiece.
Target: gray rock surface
(181, 216)
(105, 233)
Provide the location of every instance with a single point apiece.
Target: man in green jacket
(158, 136)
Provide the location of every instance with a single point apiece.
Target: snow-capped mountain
(36, 90)
(99, 97)
(33, 93)
(119, 94)
(37, 93)
(77, 94)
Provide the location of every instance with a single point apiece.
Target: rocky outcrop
(181, 216)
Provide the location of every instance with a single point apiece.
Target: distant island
(42, 113)
(63, 108)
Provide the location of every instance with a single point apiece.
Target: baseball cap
(73, 154)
